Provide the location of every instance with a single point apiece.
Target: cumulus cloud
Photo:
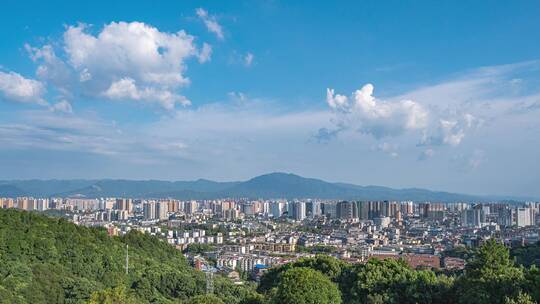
(123, 60)
(125, 88)
(211, 23)
(17, 88)
(376, 117)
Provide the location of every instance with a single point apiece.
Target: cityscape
(269, 152)
(250, 236)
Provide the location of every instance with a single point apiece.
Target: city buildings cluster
(248, 236)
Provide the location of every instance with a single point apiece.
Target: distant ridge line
(268, 186)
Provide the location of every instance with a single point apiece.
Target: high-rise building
(330, 210)
(346, 210)
(362, 209)
(291, 210)
(191, 207)
(162, 209)
(432, 211)
(172, 205)
(473, 217)
(521, 216)
(299, 211)
(375, 209)
(407, 208)
(504, 215)
(149, 210)
(123, 204)
(314, 208)
(23, 203)
(41, 204)
(7, 203)
(277, 209)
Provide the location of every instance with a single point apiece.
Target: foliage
(205, 299)
(520, 298)
(327, 265)
(527, 255)
(199, 248)
(490, 277)
(301, 285)
(117, 295)
(461, 252)
(393, 281)
(49, 260)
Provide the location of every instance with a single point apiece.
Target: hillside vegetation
(49, 260)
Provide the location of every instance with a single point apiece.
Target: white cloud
(451, 131)
(135, 50)
(205, 54)
(211, 23)
(15, 87)
(248, 59)
(51, 68)
(62, 106)
(132, 61)
(378, 118)
(125, 88)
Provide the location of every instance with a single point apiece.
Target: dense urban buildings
(245, 235)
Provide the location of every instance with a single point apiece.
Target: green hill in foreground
(49, 260)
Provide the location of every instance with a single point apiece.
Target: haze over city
(423, 94)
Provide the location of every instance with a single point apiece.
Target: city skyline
(403, 95)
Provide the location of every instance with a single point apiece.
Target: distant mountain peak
(267, 186)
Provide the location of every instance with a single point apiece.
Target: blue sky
(441, 95)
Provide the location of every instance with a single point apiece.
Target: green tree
(49, 260)
(490, 277)
(302, 285)
(117, 295)
(205, 299)
(327, 265)
(520, 298)
(532, 282)
(393, 281)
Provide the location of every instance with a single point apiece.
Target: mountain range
(268, 186)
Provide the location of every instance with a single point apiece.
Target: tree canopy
(49, 260)
(301, 285)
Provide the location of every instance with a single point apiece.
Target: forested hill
(49, 260)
